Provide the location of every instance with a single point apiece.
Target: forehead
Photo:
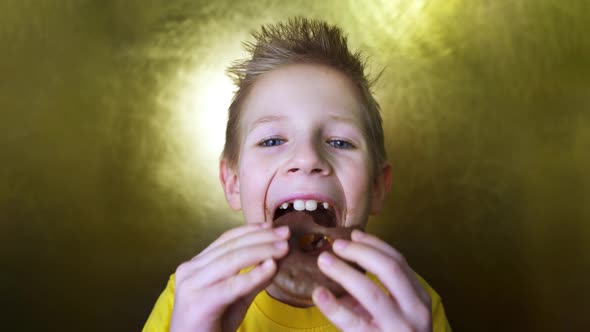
(302, 88)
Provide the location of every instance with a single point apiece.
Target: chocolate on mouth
(298, 274)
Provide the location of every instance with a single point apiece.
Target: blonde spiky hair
(302, 41)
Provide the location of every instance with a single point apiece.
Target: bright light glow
(194, 101)
(203, 114)
(197, 101)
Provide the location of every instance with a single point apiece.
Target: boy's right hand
(210, 292)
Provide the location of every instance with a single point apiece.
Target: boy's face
(302, 138)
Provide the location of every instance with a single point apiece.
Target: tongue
(320, 217)
(295, 218)
(304, 221)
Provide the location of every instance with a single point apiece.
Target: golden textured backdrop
(112, 119)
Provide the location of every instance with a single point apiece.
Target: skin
(301, 137)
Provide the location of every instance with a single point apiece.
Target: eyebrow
(280, 118)
(267, 119)
(341, 118)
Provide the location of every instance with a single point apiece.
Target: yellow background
(111, 122)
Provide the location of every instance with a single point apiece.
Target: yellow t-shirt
(268, 314)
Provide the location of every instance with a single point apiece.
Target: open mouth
(308, 237)
(322, 213)
(311, 223)
(314, 227)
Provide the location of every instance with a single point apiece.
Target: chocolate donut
(298, 274)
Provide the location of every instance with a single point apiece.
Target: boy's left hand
(368, 307)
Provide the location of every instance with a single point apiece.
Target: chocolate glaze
(298, 273)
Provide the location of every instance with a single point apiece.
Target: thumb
(236, 312)
(234, 315)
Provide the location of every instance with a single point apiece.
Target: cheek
(358, 190)
(357, 174)
(253, 187)
(357, 186)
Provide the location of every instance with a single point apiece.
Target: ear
(231, 185)
(381, 187)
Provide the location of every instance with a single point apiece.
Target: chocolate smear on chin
(298, 273)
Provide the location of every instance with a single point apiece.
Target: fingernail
(322, 296)
(357, 234)
(340, 244)
(265, 225)
(267, 265)
(282, 231)
(326, 259)
(280, 245)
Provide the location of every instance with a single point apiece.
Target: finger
(338, 313)
(392, 273)
(377, 243)
(234, 233)
(369, 295)
(237, 310)
(226, 292)
(240, 242)
(233, 262)
(353, 305)
(237, 241)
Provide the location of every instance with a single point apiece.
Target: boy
(303, 128)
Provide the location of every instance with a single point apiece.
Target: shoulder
(439, 317)
(159, 318)
(440, 322)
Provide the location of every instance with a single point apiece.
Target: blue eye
(268, 142)
(341, 144)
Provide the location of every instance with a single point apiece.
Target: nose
(308, 159)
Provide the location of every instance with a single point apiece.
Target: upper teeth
(300, 205)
